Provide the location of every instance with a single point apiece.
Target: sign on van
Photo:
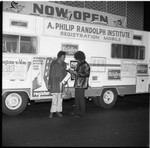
(66, 29)
(40, 76)
(14, 68)
(114, 74)
(53, 10)
(70, 49)
(142, 68)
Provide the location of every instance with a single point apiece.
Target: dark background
(147, 16)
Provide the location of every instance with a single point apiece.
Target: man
(82, 74)
(56, 74)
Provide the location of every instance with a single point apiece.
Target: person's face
(62, 58)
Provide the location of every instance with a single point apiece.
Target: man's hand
(72, 71)
(64, 83)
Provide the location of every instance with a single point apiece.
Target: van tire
(108, 98)
(13, 103)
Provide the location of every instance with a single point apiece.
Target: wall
(133, 10)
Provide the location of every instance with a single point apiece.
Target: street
(127, 124)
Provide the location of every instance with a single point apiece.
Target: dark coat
(82, 77)
(56, 74)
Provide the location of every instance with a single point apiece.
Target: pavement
(125, 125)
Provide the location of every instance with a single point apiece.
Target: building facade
(133, 10)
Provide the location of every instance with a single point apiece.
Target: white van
(119, 59)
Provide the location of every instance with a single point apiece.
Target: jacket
(82, 77)
(57, 73)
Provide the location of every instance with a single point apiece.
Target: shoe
(50, 115)
(72, 113)
(59, 114)
(77, 116)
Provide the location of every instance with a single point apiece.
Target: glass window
(131, 52)
(4, 46)
(10, 43)
(142, 53)
(27, 44)
(116, 51)
(137, 37)
(113, 50)
(128, 51)
(137, 52)
(125, 52)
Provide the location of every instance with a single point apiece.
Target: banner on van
(61, 28)
(49, 9)
(14, 68)
(142, 68)
(70, 49)
(40, 74)
(128, 68)
(114, 74)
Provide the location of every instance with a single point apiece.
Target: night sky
(147, 15)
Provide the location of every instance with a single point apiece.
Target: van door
(142, 84)
(142, 81)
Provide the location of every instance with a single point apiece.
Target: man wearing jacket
(82, 74)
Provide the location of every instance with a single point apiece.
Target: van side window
(140, 52)
(116, 51)
(28, 45)
(10, 43)
(127, 52)
(19, 44)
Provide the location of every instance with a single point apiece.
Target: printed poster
(114, 74)
(128, 68)
(142, 68)
(40, 76)
(14, 68)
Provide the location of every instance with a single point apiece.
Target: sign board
(128, 68)
(114, 74)
(14, 68)
(19, 23)
(53, 10)
(70, 49)
(68, 29)
(142, 68)
(40, 76)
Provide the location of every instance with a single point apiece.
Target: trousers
(56, 104)
(79, 101)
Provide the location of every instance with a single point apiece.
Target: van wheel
(108, 98)
(14, 103)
